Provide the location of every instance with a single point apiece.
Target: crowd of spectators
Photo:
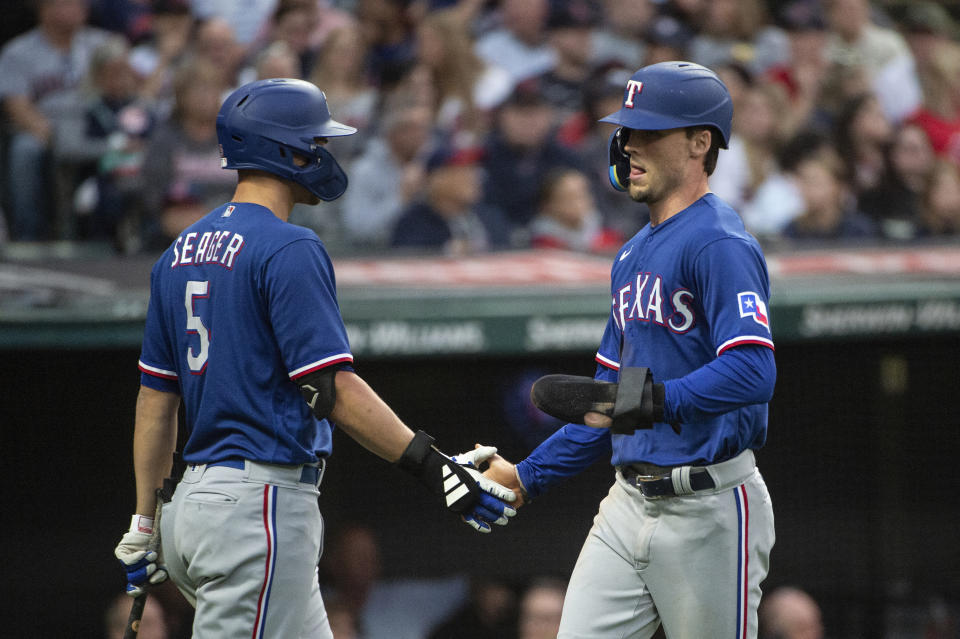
(478, 118)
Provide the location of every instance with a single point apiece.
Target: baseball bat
(136, 612)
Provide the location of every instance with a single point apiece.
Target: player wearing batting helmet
(244, 328)
(678, 403)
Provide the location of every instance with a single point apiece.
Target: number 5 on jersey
(196, 289)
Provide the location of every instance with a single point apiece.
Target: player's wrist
(416, 455)
(141, 524)
(526, 479)
(523, 489)
(424, 461)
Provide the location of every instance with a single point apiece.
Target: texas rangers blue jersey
(684, 291)
(242, 304)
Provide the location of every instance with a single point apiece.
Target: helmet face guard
(264, 125)
(619, 172)
(324, 177)
(667, 95)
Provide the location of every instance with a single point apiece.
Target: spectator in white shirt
(881, 53)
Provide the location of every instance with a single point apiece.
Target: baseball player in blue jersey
(243, 325)
(683, 538)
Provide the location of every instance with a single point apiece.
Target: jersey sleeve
(157, 364)
(742, 376)
(301, 297)
(566, 453)
(608, 354)
(731, 275)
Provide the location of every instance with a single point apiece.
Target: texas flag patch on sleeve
(752, 306)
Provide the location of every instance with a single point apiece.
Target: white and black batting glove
(493, 492)
(139, 561)
(478, 500)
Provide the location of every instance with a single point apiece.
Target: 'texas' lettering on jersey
(644, 300)
(212, 247)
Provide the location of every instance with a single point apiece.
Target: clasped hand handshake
(500, 493)
(457, 480)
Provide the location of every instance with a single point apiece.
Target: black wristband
(440, 474)
(416, 453)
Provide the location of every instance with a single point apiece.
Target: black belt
(661, 484)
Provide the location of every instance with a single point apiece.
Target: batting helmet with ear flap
(668, 95)
(263, 124)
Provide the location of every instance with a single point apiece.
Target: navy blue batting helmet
(668, 95)
(263, 124)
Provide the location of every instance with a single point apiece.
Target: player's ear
(300, 160)
(700, 139)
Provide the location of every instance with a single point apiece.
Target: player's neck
(267, 192)
(678, 200)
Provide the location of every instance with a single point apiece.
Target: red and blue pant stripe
(270, 530)
(743, 558)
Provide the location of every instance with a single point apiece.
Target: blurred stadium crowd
(478, 118)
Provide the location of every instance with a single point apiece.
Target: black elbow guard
(319, 392)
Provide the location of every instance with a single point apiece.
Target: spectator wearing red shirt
(940, 114)
(803, 74)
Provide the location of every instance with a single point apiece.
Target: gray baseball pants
(242, 545)
(693, 563)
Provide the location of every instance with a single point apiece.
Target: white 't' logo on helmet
(633, 88)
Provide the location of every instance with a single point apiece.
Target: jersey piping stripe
(745, 339)
(743, 558)
(270, 527)
(609, 363)
(158, 372)
(326, 361)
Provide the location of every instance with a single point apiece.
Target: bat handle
(136, 611)
(136, 614)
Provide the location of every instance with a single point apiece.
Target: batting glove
(138, 560)
(490, 508)
(480, 501)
